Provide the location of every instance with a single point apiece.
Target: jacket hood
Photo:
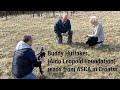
(22, 45)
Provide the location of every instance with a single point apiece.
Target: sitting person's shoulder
(68, 19)
(100, 24)
(58, 20)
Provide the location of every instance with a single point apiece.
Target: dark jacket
(24, 60)
(59, 27)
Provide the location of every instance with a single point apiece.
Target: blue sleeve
(32, 56)
(33, 59)
(69, 26)
(56, 28)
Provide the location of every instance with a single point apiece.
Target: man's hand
(88, 35)
(41, 59)
(65, 34)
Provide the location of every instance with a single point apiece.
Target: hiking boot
(98, 45)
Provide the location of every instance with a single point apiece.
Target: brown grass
(41, 28)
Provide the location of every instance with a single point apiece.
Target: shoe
(86, 46)
(58, 42)
(69, 43)
(98, 46)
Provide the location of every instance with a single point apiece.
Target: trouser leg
(92, 41)
(59, 39)
(70, 34)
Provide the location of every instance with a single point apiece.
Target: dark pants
(92, 41)
(59, 38)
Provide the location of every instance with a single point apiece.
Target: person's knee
(32, 76)
(59, 40)
(70, 33)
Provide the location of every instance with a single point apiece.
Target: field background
(41, 28)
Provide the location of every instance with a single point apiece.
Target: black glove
(42, 54)
(41, 71)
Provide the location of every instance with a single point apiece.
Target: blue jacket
(24, 60)
(59, 27)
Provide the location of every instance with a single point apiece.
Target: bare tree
(72, 13)
(41, 12)
(60, 12)
(3, 13)
(6, 15)
(33, 13)
(67, 12)
(53, 13)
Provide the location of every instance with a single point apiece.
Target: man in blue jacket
(24, 59)
(63, 28)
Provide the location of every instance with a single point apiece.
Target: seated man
(97, 36)
(63, 28)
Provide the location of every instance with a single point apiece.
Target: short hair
(64, 15)
(27, 38)
(93, 18)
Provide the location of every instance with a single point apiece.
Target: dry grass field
(41, 28)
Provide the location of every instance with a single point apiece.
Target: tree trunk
(6, 15)
(67, 12)
(53, 13)
(33, 13)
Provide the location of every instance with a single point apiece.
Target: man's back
(23, 60)
(22, 65)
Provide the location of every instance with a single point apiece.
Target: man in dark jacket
(63, 28)
(24, 60)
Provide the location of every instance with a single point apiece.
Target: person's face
(93, 23)
(64, 19)
(30, 42)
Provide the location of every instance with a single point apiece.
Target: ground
(41, 28)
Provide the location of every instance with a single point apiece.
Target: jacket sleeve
(33, 59)
(97, 31)
(69, 26)
(56, 28)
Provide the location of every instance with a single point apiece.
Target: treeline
(33, 13)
